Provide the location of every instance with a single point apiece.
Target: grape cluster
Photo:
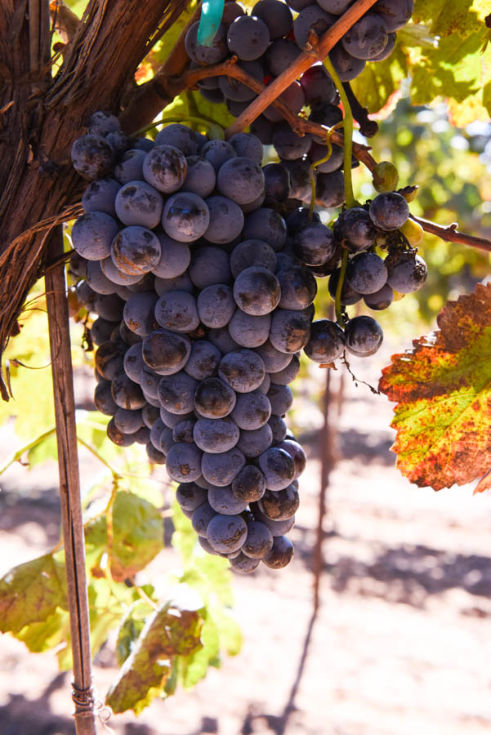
(265, 43)
(202, 309)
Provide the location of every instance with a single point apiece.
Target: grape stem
(348, 136)
(340, 318)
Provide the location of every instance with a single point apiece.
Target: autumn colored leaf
(443, 392)
(169, 632)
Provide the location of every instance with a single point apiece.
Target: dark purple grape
(289, 373)
(276, 15)
(256, 291)
(138, 203)
(249, 331)
(214, 399)
(221, 469)
(165, 168)
(135, 250)
(203, 361)
(280, 55)
(217, 152)
(363, 336)
(92, 235)
(259, 541)
(128, 421)
(206, 55)
(278, 427)
(226, 533)
(215, 435)
(406, 272)
(278, 468)
(130, 166)
(186, 217)
(326, 342)
(336, 7)
(200, 177)
(201, 517)
(296, 452)
(138, 313)
(240, 179)
(226, 220)
(290, 330)
(92, 156)
(355, 227)
(176, 393)
(330, 189)
(395, 15)
(109, 360)
(223, 501)
(298, 288)
(209, 265)
(243, 370)
(183, 431)
(244, 564)
(252, 410)
(255, 442)
(326, 114)
(183, 462)
(99, 196)
(248, 37)
(276, 183)
(268, 225)
(252, 252)
(280, 505)
(293, 97)
(318, 86)
(127, 393)
(179, 136)
(388, 211)
(288, 144)
(273, 359)
(177, 311)
(238, 92)
(216, 305)
(154, 455)
(311, 19)
(249, 485)
(280, 398)
(366, 273)
(348, 295)
(190, 496)
(317, 152)
(166, 352)
(366, 38)
(103, 398)
(347, 67)
(314, 244)
(117, 436)
(246, 144)
(281, 554)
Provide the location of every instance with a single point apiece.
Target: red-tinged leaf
(484, 483)
(443, 392)
(168, 633)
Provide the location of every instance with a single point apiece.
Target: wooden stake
(71, 507)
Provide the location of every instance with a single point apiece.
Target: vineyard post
(71, 507)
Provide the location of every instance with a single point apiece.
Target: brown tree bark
(41, 115)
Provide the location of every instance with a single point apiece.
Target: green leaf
(231, 638)
(31, 592)
(47, 634)
(169, 632)
(194, 667)
(184, 536)
(379, 81)
(137, 535)
(443, 392)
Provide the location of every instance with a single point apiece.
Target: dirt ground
(401, 644)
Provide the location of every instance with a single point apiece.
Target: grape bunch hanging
(200, 265)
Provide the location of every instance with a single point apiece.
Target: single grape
(278, 428)
(326, 114)
(222, 340)
(243, 370)
(347, 67)
(102, 123)
(280, 505)
(130, 166)
(248, 145)
(185, 217)
(183, 431)
(150, 414)
(126, 393)
(183, 462)
(263, 129)
(201, 517)
(356, 228)
(311, 19)
(366, 38)
(391, 42)
(226, 219)
(256, 291)
(298, 288)
(281, 553)
(348, 295)
(128, 421)
(290, 330)
(314, 244)
(221, 469)
(223, 501)
(259, 541)
(252, 410)
(216, 305)
(215, 435)
(293, 97)
(138, 203)
(175, 258)
(317, 152)
(240, 179)
(100, 330)
(117, 436)
(406, 272)
(154, 455)
(176, 393)
(330, 189)
(200, 177)
(214, 399)
(155, 432)
(99, 196)
(165, 168)
(290, 372)
(273, 359)
(395, 15)
(326, 342)
(209, 265)
(138, 313)
(248, 37)
(166, 352)
(288, 144)
(278, 468)
(249, 331)
(255, 442)
(203, 361)
(217, 152)
(296, 452)
(226, 533)
(236, 91)
(179, 136)
(133, 362)
(280, 55)
(249, 484)
(98, 282)
(171, 420)
(277, 184)
(103, 398)
(190, 496)
(109, 360)
(318, 86)
(363, 336)
(277, 16)
(177, 311)
(366, 273)
(244, 564)
(92, 156)
(389, 211)
(336, 7)
(92, 235)
(252, 252)
(135, 250)
(265, 224)
(280, 398)
(178, 283)
(206, 55)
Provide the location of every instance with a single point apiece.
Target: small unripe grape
(412, 231)
(385, 176)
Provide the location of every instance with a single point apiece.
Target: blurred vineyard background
(401, 642)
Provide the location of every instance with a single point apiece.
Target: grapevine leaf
(31, 592)
(130, 628)
(194, 667)
(379, 81)
(168, 633)
(443, 392)
(46, 634)
(484, 483)
(137, 535)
